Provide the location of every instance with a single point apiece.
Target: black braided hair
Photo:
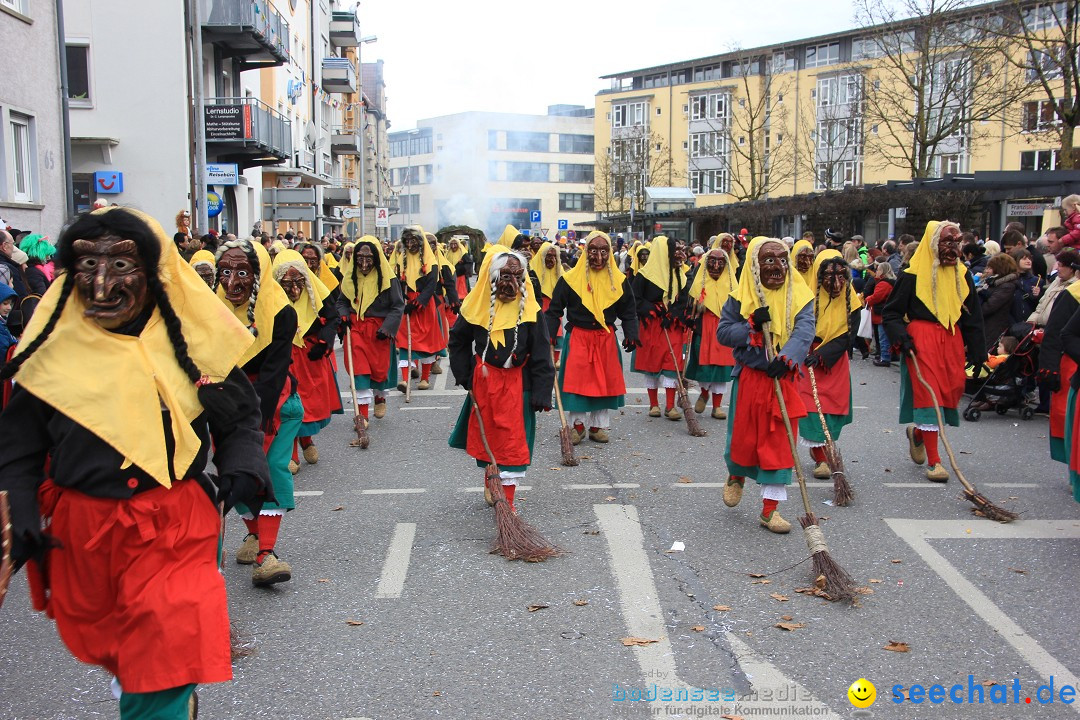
(173, 327)
(13, 366)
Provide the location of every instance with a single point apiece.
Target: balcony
(250, 30)
(338, 75)
(346, 140)
(341, 191)
(344, 29)
(246, 131)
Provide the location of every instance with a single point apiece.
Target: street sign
(295, 213)
(564, 224)
(382, 217)
(350, 212)
(544, 232)
(1027, 209)
(107, 182)
(214, 205)
(571, 235)
(222, 174)
(293, 196)
(901, 213)
(534, 216)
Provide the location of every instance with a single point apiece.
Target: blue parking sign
(564, 225)
(534, 216)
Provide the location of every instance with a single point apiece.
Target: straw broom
(839, 585)
(359, 425)
(565, 445)
(515, 539)
(842, 494)
(7, 565)
(693, 427)
(982, 506)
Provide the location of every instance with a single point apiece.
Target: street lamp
(363, 132)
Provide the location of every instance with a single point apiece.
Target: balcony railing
(346, 140)
(341, 191)
(251, 30)
(344, 29)
(247, 131)
(338, 75)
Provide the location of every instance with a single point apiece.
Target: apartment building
(834, 111)
(282, 108)
(32, 187)
(486, 170)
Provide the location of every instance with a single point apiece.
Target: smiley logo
(862, 693)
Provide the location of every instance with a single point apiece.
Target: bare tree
(934, 77)
(832, 131)
(1042, 43)
(636, 158)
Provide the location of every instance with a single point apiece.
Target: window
(409, 204)
(707, 72)
(527, 172)
(1042, 64)
(709, 182)
(493, 139)
(783, 62)
(1040, 115)
(78, 70)
(576, 173)
(629, 114)
(1045, 16)
(950, 164)
(680, 77)
(493, 170)
(527, 141)
(820, 55)
(415, 175)
(839, 134)
(837, 175)
(865, 48)
(411, 144)
(22, 158)
(1039, 160)
(576, 202)
(582, 144)
(838, 90)
(713, 106)
(708, 144)
(655, 81)
(16, 5)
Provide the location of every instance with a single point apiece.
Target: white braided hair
(305, 272)
(496, 266)
(248, 249)
(755, 269)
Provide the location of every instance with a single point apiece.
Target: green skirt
(459, 436)
(920, 416)
(762, 477)
(705, 373)
(810, 426)
(1070, 420)
(573, 403)
(279, 455)
(364, 382)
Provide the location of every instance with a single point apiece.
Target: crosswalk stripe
(392, 580)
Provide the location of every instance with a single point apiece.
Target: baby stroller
(1012, 383)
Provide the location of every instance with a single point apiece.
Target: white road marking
(392, 581)
(720, 485)
(480, 489)
(439, 383)
(916, 533)
(941, 485)
(1011, 485)
(640, 604)
(393, 491)
(425, 407)
(307, 493)
(602, 486)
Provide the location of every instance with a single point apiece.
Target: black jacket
(904, 305)
(269, 369)
(389, 305)
(531, 352)
(577, 315)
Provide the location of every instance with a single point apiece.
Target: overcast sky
(446, 57)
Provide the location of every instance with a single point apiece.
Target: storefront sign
(227, 122)
(222, 174)
(214, 205)
(1027, 209)
(289, 181)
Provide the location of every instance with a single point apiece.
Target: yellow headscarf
(268, 303)
(784, 303)
(598, 289)
(509, 233)
(947, 302)
(657, 270)
(809, 277)
(733, 257)
(307, 306)
(548, 277)
(635, 264)
(126, 411)
(413, 270)
(326, 275)
(330, 260)
(202, 256)
(454, 256)
(361, 298)
(832, 314)
(477, 306)
(712, 294)
(277, 246)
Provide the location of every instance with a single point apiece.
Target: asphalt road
(396, 538)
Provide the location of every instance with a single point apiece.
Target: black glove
(541, 406)
(905, 345)
(778, 367)
(380, 335)
(666, 321)
(411, 307)
(977, 361)
(455, 308)
(240, 488)
(629, 344)
(345, 321)
(1050, 379)
(318, 351)
(759, 317)
(813, 360)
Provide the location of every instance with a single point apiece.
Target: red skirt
(427, 334)
(315, 383)
(462, 287)
(654, 354)
(136, 588)
(941, 360)
(545, 303)
(592, 366)
(833, 385)
(370, 355)
(1059, 401)
(758, 437)
(712, 352)
(498, 392)
(449, 317)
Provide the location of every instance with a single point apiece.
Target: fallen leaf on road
(888, 469)
(1018, 570)
(631, 641)
(896, 561)
(591, 532)
(698, 628)
(789, 626)
(863, 590)
(354, 623)
(895, 646)
(721, 608)
(988, 683)
(685, 480)
(537, 606)
(554, 468)
(581, 603)
(585, 457)
(786, 617)
(323, 580)
(778, 597)
(732, 717)
(437, 693)
(339, 507)
(610, 497)
(874, 580)
(763, 581)
(965, 452)
(756, 575)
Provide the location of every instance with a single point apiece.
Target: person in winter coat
(975, 258)
(1002, 278)
(884, 280)
(1031, 285)
(1070, 210)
